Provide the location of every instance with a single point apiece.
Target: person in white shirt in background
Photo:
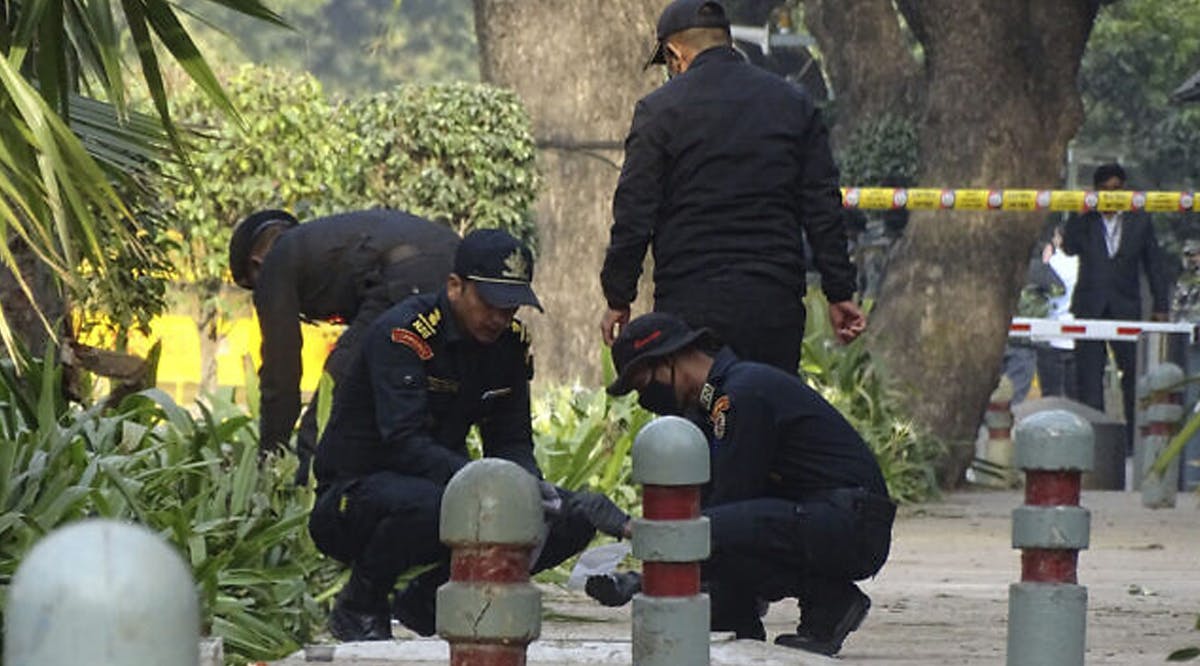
(1056, 361)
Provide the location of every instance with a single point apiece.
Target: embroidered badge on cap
(413, 341)
(719, 416)
(516, 267)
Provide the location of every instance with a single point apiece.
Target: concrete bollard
(1163, 412)
(491, 519)
(1047, 610)
(998, 449)
(670, 616)
(103, 593)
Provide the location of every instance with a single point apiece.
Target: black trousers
(1090, 358)
(812, 550)
(762, 322)
(1056, 372)
(385, 524)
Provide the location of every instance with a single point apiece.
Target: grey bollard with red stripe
(102, 593)
(1047, 610)
(670, 615)
(492, 520)
(1163, 412)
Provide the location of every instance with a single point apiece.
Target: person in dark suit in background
(1114, 248)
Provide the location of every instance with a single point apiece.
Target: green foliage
(848, 379)
(58, 149)
(457, 153)
(355, 46)
(461, 154)
(194, 479)
(289, 154)
(583, 438)
(1139, 52)
(882, 151)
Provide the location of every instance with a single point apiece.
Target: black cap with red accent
(650, 336)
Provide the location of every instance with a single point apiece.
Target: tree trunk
(578, 69)
(22, 317)
(868, 60)
(1002, 105)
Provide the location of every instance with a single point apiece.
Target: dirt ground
(942, 598)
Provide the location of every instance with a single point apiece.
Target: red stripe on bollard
(1040, 565)
(487, 655)
(999, 433)
(670, 579)
(1050, 488)
(490, 563)
(670, 502)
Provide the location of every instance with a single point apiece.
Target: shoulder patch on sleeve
(719, 416)
(403, 336)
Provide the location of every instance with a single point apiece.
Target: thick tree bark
(22, 317)
(868, 60)
(578, 69)
(1002, 105)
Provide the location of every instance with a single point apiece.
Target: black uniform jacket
(327, 269)
(417, 386)
(727, 167)
(1109, 287)
(771, 435)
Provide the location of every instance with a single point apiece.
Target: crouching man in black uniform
(797, 503)
(428, 369)
(345, 268)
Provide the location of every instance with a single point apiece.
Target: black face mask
(659, 397)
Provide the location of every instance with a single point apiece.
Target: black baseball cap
(682, 15)
(241, 243)
(648, 337)
(499, 265)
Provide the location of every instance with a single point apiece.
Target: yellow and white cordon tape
(1073, 201)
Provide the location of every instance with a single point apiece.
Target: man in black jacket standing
(344, 269)
(727, 170)
(1114, 248)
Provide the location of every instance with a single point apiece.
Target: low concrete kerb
(428, 651)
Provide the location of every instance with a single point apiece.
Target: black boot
(614, 589)
(827, 618)
(360, 613)
(416, 607)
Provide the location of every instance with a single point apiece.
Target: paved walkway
(941, 599)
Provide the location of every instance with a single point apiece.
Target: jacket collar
(716, 376)
(452, 332)
(715, 54)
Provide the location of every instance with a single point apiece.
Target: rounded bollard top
(491, 501)
(1163, 376)
(670, 451)
(1054, 440)
(102, 592)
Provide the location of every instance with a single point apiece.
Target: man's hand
(847, 319)
(613, 320)
(602, 513)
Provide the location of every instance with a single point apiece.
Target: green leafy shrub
(196, 480)
(460, 154)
